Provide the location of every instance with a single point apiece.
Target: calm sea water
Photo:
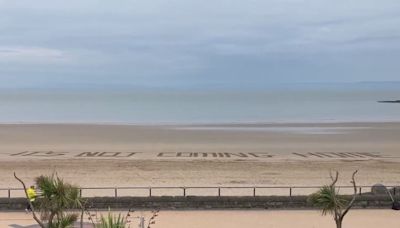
(155, 106)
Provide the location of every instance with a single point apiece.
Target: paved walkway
(240, 219)
(21, 220)
(15, 219)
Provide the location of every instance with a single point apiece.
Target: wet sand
(201, 155)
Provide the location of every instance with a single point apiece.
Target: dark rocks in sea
(392, 101)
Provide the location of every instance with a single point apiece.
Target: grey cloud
(202, 41)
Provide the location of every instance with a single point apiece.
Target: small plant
(112, 221)
(119, 221)
(152, 219)
(67, 220)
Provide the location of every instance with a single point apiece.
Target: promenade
(241, 219)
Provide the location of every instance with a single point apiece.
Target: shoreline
(228, 123)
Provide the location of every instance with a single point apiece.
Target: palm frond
(65, 221)
(328, 199)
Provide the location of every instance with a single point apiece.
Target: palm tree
(56, 198)
(328, 198)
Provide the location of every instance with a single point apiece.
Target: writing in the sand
(82, 154)
(339, 155)
(206, 155)
(212, 155)
(136, 154)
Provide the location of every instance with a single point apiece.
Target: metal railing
(197, 191)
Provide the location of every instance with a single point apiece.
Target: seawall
(206, 202)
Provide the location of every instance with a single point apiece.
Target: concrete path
(240, 219)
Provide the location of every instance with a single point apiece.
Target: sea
(356, 102)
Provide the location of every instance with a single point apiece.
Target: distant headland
(390, 101)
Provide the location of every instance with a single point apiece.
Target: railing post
(116, 192)
(360, 191)
(254, 192)
(80, 192)
(184, 191)
(290, 191)
(9, 193)
(150, 191)
(219, 191)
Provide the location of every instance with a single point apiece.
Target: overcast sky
(183, 43)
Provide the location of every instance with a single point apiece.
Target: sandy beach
(299, 154)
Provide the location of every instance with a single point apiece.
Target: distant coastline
(390, 101)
